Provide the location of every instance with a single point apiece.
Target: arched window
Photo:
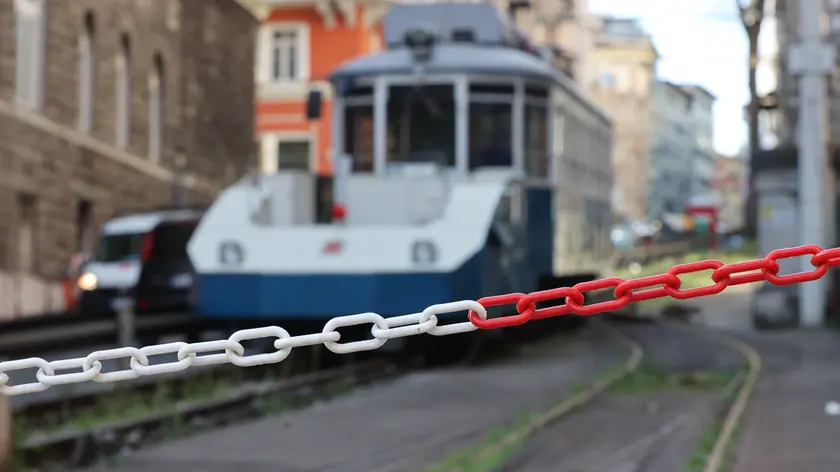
(156, 91)
(87, 73)
(30, 52)
(123, 98)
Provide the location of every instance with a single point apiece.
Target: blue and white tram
(465, 168)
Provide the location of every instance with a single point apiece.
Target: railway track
(79, 443)
(532, 445)
(252, 397)
(80, 429)
(35, 335)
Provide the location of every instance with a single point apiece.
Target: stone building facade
(105, 105)
(681, 159)
(562, 25)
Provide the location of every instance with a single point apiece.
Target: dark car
(167, 275)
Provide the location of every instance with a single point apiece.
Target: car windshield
(119, 247)
(171, 239)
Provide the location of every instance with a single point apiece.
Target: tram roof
(474, 59)
(470, 59)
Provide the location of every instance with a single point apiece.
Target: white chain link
(188, 354)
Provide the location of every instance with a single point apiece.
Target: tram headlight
(87, 281)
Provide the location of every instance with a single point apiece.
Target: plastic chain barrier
(425, 322)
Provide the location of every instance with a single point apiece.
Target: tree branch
(751, 14)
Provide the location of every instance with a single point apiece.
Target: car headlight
(87, 281)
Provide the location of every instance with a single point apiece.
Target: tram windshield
(421, 127)
(491, 134)
(421, 124)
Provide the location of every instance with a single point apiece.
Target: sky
(700, 42)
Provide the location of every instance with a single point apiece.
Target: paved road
(652, 431)
(786, 426)
(620, 433)
(400, 426)
(728, 310)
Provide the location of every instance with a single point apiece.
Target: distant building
(671, 150)
(623, 65)
(299, 44)
(701, 125)
(561, 25)
(729, 185)
(681, 159)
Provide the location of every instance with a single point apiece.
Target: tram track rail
(730, 404)
(725, 438)
(577, 400)
(37, 334)
(253, 397)
(56, 439)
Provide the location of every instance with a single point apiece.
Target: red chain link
(657, 286)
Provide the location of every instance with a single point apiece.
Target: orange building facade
(298, 46)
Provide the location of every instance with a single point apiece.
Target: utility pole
(812, 59)
(752, 15)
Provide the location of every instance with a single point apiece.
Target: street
(403, 425)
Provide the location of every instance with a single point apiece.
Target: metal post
(6, 440)
(380, 126)
(812, 59)
(125, 326)
(342, 168)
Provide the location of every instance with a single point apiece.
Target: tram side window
(293, 155)
(558, 151)
(491, 141)
(421, 124)
(536, 141)
(358, 136)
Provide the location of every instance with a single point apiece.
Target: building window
(123, 76)
(27, 233)
(87, 74)
(622, 79)
(606, 80)
(285, 53)
(156, 82)
(294, 155)
(30, 31)
(83, 226)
